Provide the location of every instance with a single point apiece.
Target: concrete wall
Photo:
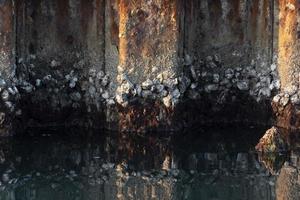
(7, 63)
(288, 35)
(62, 30)
(148, 37)
(7, 37)
(286, 103)
(89, 55)
(237, 30)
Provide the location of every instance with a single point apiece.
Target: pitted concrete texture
(6, 36)
(62, 30)
(239, 31)
(149, 38)
(112, 41)
(93, 56)
(7, 64)
(288, 41)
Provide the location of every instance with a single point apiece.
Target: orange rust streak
(287, 39)
(123, 13)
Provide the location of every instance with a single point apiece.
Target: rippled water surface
(211, 164)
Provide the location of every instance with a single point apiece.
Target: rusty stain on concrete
(287, 40)
(146, 38)
(6, 36)
(148, 34)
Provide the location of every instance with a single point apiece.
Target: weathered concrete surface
(63, 30)
(239, 31)
(112, 41)
(231, 48)
(7, 58)
(288, 57)
(81, 56)
(149, 39)
(286, 104)
(55, 40)
(286, 116)
(7, 37)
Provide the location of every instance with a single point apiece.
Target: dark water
(211, 164)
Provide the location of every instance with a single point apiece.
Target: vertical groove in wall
(14, 35)
(103, 29)
(181, 11)
(272, 13)
(20, 24)
(16, 32)
(184, 27)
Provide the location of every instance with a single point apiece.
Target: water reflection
(207, 164)
(285, 166)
